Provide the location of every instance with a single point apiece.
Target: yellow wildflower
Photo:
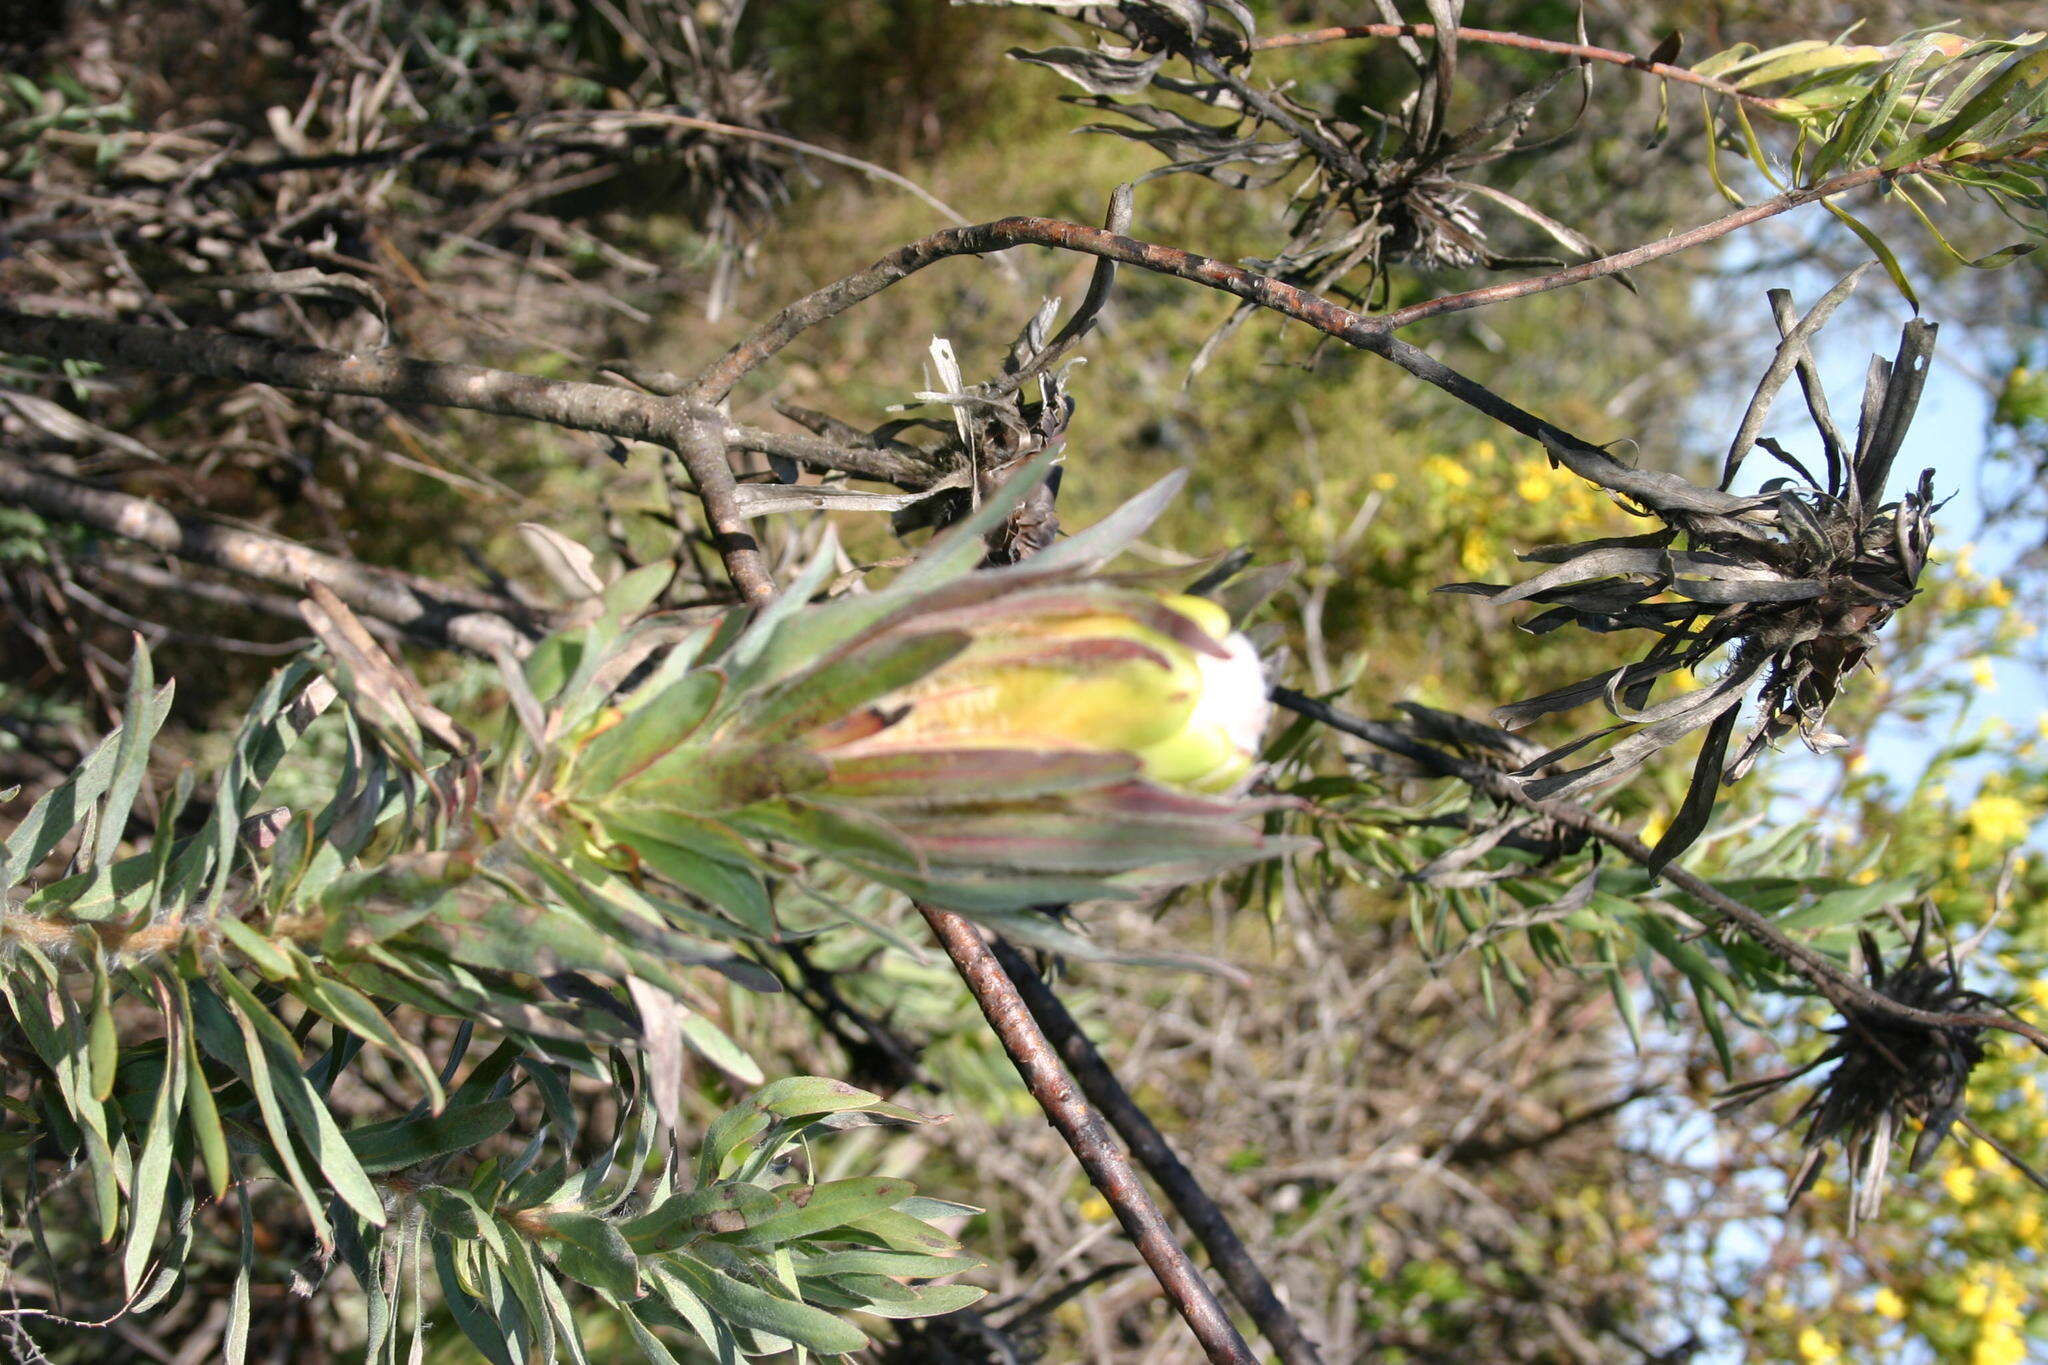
(1961, 1184)
(1886, 1303)
(1654, 825)
(1539, 480)
(1999, 819)
(1999, 1345)
(1444, 469)
(1982, 675)
(1815, 1348)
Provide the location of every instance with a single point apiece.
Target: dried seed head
(1886, 1071)
(1432, 224)
(1786, 588)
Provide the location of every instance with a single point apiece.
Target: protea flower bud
(989, 741)
(1162, 680)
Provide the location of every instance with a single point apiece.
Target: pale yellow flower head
(1172, 687)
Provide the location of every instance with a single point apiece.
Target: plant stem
(1247, 1283)
(402, 379)
(482, 623)
(1621, 261)
(1107, 1167)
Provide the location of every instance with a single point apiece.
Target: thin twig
(866, 168)
(1330, 318)
(663, 421)
(577, 405)
(1622, 261)
(885, 461)
(1366, 332)
(1335, 156)
(1108, 1169)
(1827, 976)
(1247, 1283)
(1499, 38)
(486, 142)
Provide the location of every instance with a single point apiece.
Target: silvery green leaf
(1097, 71)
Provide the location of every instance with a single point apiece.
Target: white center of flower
(1233, 697)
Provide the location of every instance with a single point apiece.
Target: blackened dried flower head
(1887, 1070)
(1395, 187)
(1433, 225)
(1785, 588)
(734, 183)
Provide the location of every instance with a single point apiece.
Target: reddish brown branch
(1499, 38)
(1366, 332)
(1000, 235)
(702, 451)
(1247, 1283)
(1107, 1167)
(1650, 251)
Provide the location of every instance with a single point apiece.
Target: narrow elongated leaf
(398, 1143)
(141, 719)
(153, 1167)
(765, 1312)
(819, 1208)
(316, 1126)
(591, 1251)
(475, 1319)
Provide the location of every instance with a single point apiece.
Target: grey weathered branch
(702, 451)
(574, 404)
(886, 462)
(1365, 332)
(482, 623)
(1247, 1283)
